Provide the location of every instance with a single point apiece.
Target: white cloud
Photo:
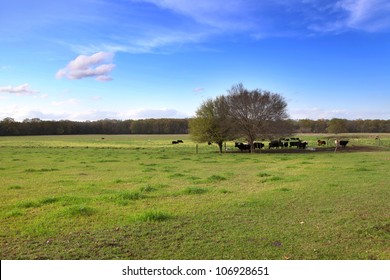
(155, 113)
(315, 113)
(19, 113)
(198, 89)
(23, 89)
(71, 101)
(344, 15)
(368, 15)
(98, 66)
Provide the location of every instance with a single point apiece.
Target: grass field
(140, 197)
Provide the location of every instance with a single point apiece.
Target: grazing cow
(242, 146)
(302, 145)
(283, 142)
(179, 141)
(258, 145)
(275, 144)
(175, 142)
(343, 143)
(294, 143)
(321, 142)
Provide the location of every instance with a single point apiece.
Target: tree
(257, 113)
(337, 126)
(210, 123)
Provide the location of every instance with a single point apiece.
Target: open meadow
(140, 197)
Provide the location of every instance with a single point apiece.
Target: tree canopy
(211, 123)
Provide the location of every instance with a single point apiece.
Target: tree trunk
(220, 144)
(252, 146)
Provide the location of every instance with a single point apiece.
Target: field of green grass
(140, 197)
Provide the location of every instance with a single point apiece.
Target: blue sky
(132, 59)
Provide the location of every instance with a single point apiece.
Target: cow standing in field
(342, 143)
(294, 143)
(275, 144)
(302, 145)
(242, 146)
(321, 143)
(258, 145)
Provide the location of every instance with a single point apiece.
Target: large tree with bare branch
(255, 114)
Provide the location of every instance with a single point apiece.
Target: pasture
(140, 197)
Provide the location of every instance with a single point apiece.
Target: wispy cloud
(98, 66)
(220, 14)
(198, 89)
(23, 89)
(173, 24)
(315, 113)
(71, 101)
(368, 15)
(345, 15)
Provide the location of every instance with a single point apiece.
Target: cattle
(258, 145)
(341, 143)
(302, 145)
(242, 146)
(275, 144)
(294, 143)
(321, 143)
(283, 142)
(175, 142)
(179, 141)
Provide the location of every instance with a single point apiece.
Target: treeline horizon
(35, 126)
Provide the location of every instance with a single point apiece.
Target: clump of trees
(250, 114)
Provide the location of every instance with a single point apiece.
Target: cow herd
(281, 143)
(285, 143)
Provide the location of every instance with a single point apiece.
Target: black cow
(294, 143)
(343, 143)
(179, 141)
(275, 144)
(175, 142)
(242, 146)
(302, 145)
(258, 145)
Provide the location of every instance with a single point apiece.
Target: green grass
(140, 197)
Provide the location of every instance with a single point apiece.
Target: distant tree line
(10, 127)
(337, 125)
